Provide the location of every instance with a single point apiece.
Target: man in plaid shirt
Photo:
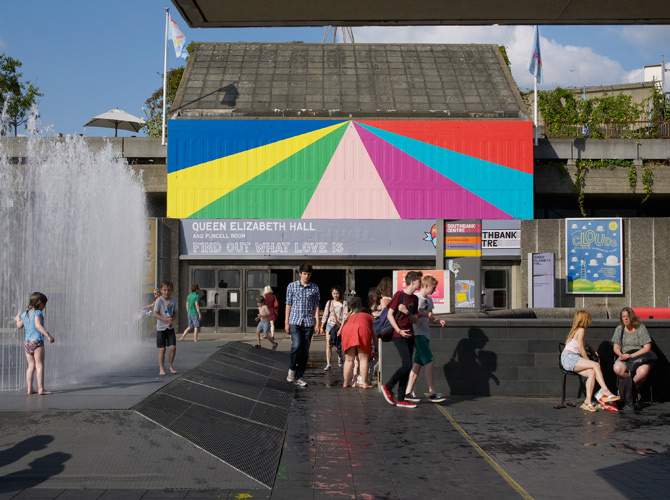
(302, 317)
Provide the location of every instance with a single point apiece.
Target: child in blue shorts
(194, 316)
(263, 326)
(423, 355)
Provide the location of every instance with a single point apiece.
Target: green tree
(153, 109)
(16, 97)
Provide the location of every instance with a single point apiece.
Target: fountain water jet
(72, 225)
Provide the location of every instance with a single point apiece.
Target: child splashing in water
(33, 322)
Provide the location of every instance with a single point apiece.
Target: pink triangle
(418, 191)
(350, 188)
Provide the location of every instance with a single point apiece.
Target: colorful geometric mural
(333, 169)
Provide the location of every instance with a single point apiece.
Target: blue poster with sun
(594, 258)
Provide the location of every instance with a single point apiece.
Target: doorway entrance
(495, 287)
(228, 295)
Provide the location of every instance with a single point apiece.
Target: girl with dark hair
(33, 322)
(334, 315)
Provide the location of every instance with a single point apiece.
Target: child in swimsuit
(33, 322)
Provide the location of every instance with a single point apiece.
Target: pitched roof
(347, 80)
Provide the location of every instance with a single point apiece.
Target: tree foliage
(153, 109)
(16, 97)
(599, 117)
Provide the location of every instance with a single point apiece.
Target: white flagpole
(535, 109)
(167, 16)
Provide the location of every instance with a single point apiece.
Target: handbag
(648, 358)
(334, 338)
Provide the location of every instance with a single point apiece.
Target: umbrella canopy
(117, 119)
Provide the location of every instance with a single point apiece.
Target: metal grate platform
(234, 405)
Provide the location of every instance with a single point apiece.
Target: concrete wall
(520, 357)
(646, 255)
(597, 149)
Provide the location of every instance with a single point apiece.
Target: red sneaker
(405, 404)
(388, 395)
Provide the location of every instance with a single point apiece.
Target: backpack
(381, 325)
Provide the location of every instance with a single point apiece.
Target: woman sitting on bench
(575, 359)
(632, 347)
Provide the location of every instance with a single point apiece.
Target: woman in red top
(271, 302)
(357, 336)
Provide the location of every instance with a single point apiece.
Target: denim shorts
(264, 327)
(193, 322)
(569, 360)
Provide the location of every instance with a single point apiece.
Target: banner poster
(314, 238)
(149, 264)
(594, 256)
(441, 295)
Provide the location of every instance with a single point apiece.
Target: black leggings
(405, 348)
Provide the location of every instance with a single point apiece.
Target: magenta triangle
(418, 191)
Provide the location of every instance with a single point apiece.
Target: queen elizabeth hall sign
(314, 238)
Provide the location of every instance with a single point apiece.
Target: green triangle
(281, 192)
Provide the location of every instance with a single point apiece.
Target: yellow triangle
(190, 189)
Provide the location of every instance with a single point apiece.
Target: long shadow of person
(40, 470)
(21, 449)
(471, 367)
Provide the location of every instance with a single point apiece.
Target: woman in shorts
(574, 359)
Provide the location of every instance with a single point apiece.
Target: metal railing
(610, 130)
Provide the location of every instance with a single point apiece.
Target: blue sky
(88, 57)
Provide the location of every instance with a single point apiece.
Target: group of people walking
(348, 327)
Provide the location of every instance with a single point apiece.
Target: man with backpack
(403, 337)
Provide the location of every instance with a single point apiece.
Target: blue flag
(535, 61)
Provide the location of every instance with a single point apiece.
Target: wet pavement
(85, 442)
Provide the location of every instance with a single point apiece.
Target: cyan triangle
(506, 188)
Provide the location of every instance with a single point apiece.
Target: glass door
(495, 288)
(256, 281)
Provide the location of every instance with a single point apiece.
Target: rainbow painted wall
(351, 169)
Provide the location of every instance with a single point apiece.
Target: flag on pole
(535, 61)
(178, 38)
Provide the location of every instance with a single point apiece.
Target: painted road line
(485, 455)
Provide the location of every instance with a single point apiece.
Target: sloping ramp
(234, 405)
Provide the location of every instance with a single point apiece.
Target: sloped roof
(347, 80)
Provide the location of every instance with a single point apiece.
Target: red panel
(652, 312)
(508, 143)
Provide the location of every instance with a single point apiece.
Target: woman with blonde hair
(574, 359)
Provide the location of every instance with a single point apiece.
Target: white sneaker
(327, 368)
(291, 375)
(301, 383)
(339, 361)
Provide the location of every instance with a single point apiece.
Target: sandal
(588, 407)
(609, 399)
